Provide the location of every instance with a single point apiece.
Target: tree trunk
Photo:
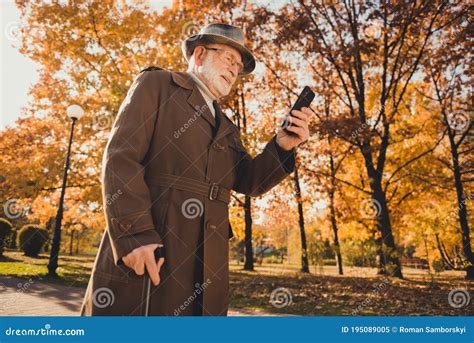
(390, 263)
(337, 248)
(248, 265)
(77, 243)
(470, 273)
(70, 243)
(389, 249)
(304, 249)
(462, 210)
(380, 256)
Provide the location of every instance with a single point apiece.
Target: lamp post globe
(75, 111)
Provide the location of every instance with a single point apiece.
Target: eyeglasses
(227, 57)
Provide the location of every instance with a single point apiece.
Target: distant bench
(417, 263)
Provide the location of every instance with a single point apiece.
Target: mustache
(230, 77)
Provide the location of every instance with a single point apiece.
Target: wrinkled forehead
(228, 48)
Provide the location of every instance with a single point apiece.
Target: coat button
(211, 226)
(217, 146)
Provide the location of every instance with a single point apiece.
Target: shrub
(438, 266)
(359, 253)
(31, 238)
(5, 230)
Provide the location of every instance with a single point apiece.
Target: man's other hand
(144, 257)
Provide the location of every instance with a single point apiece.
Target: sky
(19, 73)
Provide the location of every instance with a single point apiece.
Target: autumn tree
(450, 79)
(369, 47)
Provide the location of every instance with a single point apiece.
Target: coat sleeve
(126, 196)
(258, 175)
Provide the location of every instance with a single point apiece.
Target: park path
(23, 297)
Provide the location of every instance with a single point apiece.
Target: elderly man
(168, 168)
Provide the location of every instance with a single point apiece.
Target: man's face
(215, 69)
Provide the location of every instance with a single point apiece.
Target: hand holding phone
(304, 100)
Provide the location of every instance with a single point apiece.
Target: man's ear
(199, 55)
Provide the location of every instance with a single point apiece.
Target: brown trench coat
(163, 128)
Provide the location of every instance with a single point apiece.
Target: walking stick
(158, 253)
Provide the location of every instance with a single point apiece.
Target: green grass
(72, 270)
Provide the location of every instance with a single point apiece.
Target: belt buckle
(214, 191)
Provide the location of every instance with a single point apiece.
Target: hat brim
(188, 45)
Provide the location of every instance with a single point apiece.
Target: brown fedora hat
(219, 33)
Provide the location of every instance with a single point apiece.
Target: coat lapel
(225, 125)
(196, 100)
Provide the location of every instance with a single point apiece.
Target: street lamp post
(74, 112)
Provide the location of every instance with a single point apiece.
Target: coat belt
(209, 189)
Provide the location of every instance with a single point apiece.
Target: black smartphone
(304, 100)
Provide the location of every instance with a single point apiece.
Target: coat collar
(197, 102)
(183, 79)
